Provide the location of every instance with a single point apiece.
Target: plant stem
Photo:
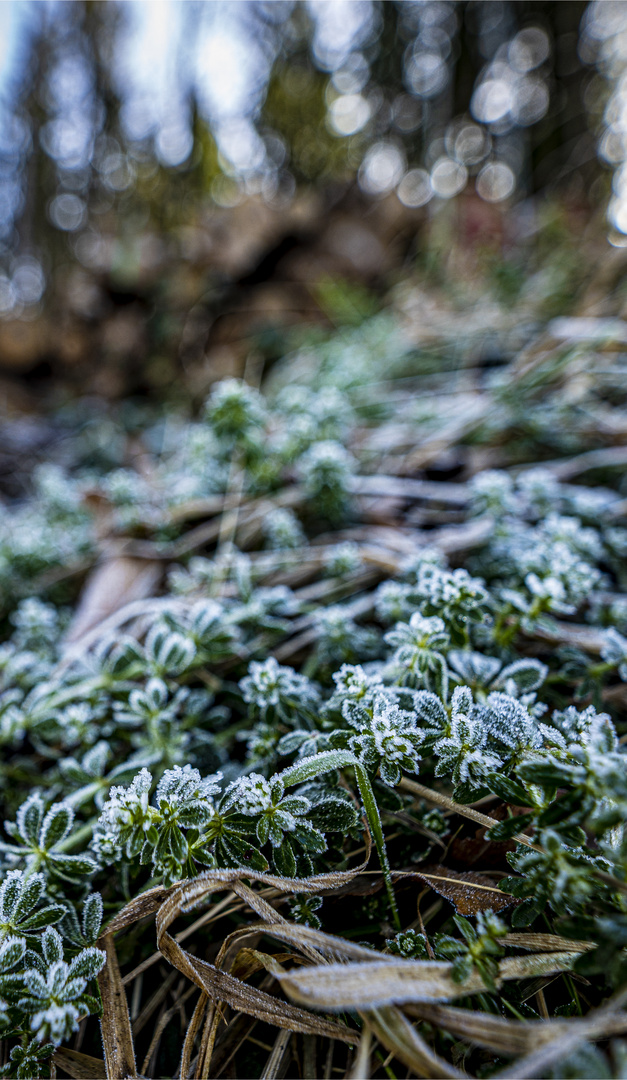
(328, 761)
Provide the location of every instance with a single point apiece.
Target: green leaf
(447, 946)
(56, 825)
(92, 917)
(465, 928)
(508, 790)
(87, 964)
(237, 852)
(177, 844)
(72, 864)
(462, 969)
(469, 793)
(29, 818)
(504, 830)
(562, 808)
(284, 860)
(21, 896)
(312, 840)
(546, 773)
(333, 815)
(263, 829)
(526, 913)
(47, 916)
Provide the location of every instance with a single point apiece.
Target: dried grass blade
(492, 1032)
(546, 943)
(315, 942)
(190, 1035)
(395, 1032)
(79, 1066)
(202, 886)
(273, 1064)
(539, 1061)
(220, 986)
(117, 1036)
(361, 1064)
(370, 985)
(113, 584)
(514, 1036)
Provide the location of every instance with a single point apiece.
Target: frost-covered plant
(480, 672)
(303, 907)
(21, 912)
(283, 530)
(234, 409)
(185, 826)
(54, 991)
(342, 560)
(42, 838)
(170, 833)
(463, 753)
(478, 948)
(326, 469)
(26, 1062)
(387, 740)
(272, 688)
(150, 751)
(410, 945)
(418, 654)
(453, 596)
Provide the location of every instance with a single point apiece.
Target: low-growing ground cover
(313, 720)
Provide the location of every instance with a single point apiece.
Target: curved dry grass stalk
(217, 985)
(117, 1034)
(328, 974)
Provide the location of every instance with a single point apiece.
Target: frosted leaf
(614, 651)
(509, 722)
(473, 667)
(250, 794)
(179, 785)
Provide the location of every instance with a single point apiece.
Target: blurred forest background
(187, 185)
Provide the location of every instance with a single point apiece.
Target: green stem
(64, 697)
(76, 838)
(87, 792)
(328, 761)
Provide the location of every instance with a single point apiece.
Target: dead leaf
(78, 1066)
(117, 1037)
(112, 585)
(469, 892)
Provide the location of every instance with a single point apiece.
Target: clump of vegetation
(332, 651)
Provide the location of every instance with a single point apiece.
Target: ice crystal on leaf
(55, 997)
(418, 652)
(39, 836)
(614, 651)
(21, 912)
(271, 686)
(463, 753)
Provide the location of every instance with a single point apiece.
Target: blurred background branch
(183, 180)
